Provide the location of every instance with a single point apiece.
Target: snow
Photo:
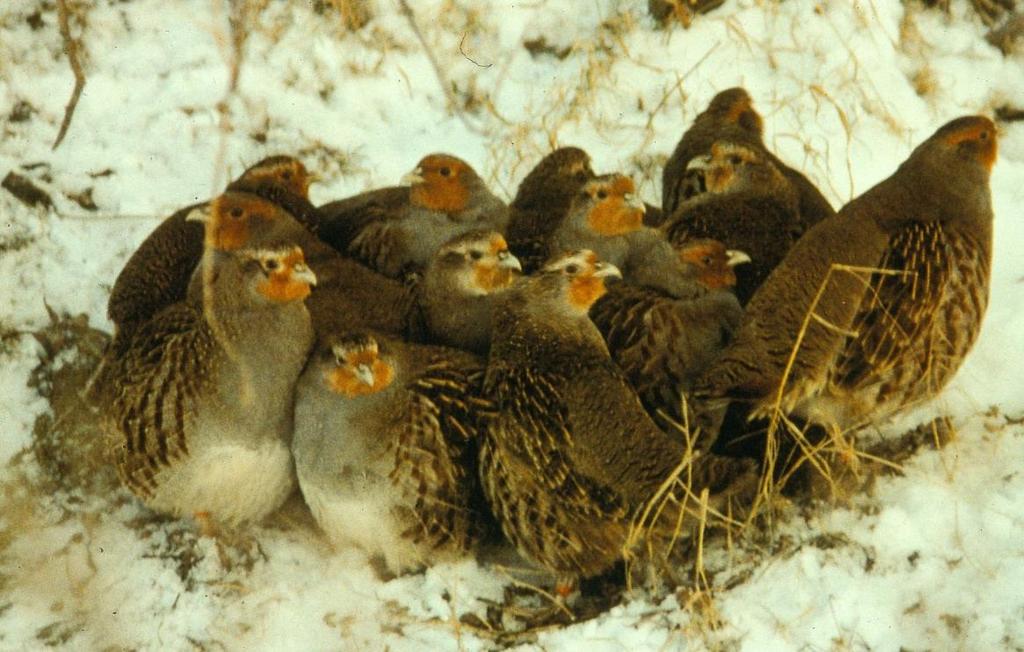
(929, 559)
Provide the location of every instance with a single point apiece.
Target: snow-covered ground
(930, 559)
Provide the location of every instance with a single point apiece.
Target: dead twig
(71, 49)
(446, 85)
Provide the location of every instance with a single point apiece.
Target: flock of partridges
(431, 366)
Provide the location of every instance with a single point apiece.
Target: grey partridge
(875, 308)
(201, 414)
(386, 440)
(571, 459)
(663, 342)
(456, 294)
(158, 272)
(730, 116)
(748, 204)
(396, 230)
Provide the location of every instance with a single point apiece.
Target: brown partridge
(456, 294)
(869, 343)
(663, 342)
(542, 202)
(201, 414)
(386, 440)
(395, 230)
(730, 116)
(159, 271)
(747, 204)
(571, 459)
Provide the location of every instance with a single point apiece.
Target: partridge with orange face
(386, 440)
(603, 213)
(159, 271)
(731, 116)
(201, 409)
(748, 204)
(663, 342)
(395, 230)
(571, 459)
(456, 295)
(870, 343)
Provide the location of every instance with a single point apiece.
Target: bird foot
(234, 548)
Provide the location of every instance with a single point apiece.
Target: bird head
(734, 106)
(712, 262)
(441, 182)
(358, 367)
(557, 178)
(233, 218)
(608, 206)
(972, 139)
(281, 272)
(732, 167)
(578, 278)
(476, 263)
(280, 171)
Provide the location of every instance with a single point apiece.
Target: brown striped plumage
(730, 116)
(386, 440)
(201, 407)
(663, 342)
(396, 231)
(572, 458)
(542, 202)
(159, 272)
(879, 341)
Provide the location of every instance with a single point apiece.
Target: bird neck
(547, 339)
(460, 320)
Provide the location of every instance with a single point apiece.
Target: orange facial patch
(712, 264)
(742, 113)
(984, 133)
(489, 277)
(498, 245)
(719, 178)
(280, 286)
(443, 188)
(291, 175)
(231, 220)
(585, 289)
(612, 216)
(343, 380)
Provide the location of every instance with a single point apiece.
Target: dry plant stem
(767, 485)
(71, 49)
(442, 79)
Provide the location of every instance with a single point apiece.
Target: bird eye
(445, 171)
(476, 255)
(602, 194)
(236, 212)
(286, 175)
(706, 260)
(735, 160)
(983, 135)
(271, 264)
(572, 269)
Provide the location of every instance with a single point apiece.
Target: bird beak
(736, 257)
(699, 163)
(303, 274)
(412, 178)
(365, 374)
(635, 202)
(200, 214)
(507, 261)
(606, 270)
(313, 177)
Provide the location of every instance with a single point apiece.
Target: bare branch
(71, 49)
